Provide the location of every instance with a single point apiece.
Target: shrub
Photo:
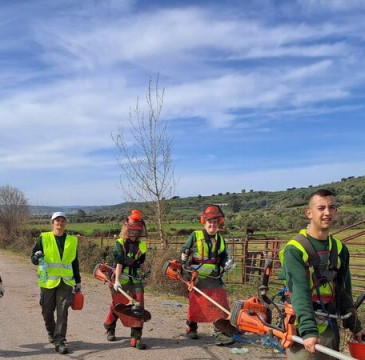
(89, 255)
(158, 281)
(184, 232)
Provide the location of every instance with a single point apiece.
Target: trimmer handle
(359, 301)
(265, 280)
(267, 271)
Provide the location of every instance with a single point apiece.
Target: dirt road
(23, 335)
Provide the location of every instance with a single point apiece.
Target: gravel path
(23, 335)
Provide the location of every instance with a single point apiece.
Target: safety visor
(137, 228)
(210, 218)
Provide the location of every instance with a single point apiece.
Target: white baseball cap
(58, 214)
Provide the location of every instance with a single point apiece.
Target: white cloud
(70, 71)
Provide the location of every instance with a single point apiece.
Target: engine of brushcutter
(246, 315)
(253, 316)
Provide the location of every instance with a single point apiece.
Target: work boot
(191, 333)
(62, 348)
(222, 339)
(110, 332)
(50, 338)
(110, 335)
(192, 330)
(138, 344)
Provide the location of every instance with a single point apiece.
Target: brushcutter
(173, 269)
(106, 274)
(252, 315)
(246, 318)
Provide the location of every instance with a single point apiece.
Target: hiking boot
(50, 339)
(110, 335)
(223, 340)
(192, 334)
(138, 344)
(110, 331)
(62, 348)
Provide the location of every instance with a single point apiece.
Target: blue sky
(260, 95)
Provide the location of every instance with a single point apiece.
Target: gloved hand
(39, 254)
(229, 265)
(116, 285)
(78, 287)
(185, 256)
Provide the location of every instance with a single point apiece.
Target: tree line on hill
(259, 210)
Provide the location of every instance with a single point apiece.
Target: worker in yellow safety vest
(316, 271)
(205, 252)
(55, 253)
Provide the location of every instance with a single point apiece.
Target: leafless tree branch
(147, 173)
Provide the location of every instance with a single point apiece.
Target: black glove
(37, 255)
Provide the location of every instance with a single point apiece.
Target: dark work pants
(59, 299)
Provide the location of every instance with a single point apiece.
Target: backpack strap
(313, 258)
(333, 255)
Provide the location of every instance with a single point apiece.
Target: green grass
(85, 229)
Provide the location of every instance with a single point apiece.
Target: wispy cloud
(235, 74)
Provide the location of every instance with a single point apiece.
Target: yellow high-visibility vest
(327, 290)
(205, 265)
(58, 268)
(124, 278)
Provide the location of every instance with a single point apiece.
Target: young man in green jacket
(308, 291)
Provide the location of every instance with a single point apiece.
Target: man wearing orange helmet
(129, 255)
(209, 257)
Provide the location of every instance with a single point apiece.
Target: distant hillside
(265, 210)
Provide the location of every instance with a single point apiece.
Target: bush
(23, 242)
(14, 213)
(158, 281)
(184, 232)
(89, 255)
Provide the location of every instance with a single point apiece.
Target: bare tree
(14, 212)
(145, 157)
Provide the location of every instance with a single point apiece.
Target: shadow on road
(81, 349)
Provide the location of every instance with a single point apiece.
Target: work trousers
(328, 339)
(59, 299)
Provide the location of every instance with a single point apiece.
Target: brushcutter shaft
(131, 300)
(173, 270)
(325, 350)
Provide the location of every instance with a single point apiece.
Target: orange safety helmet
(136, 225)
(135, 215)
(212, 211)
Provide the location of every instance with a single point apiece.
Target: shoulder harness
(314, 259)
